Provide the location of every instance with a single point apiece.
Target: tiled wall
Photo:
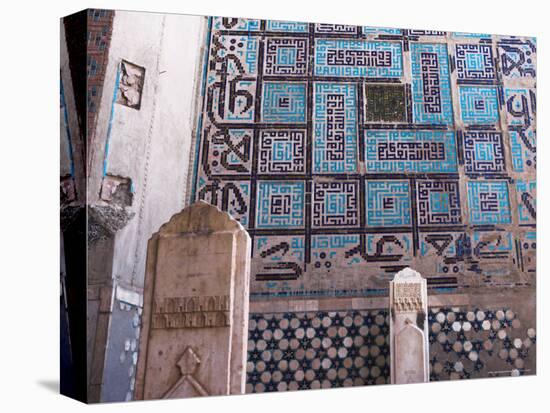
(312, 350)
(351, 152)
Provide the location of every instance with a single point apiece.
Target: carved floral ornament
(407, 291)
(407, 297)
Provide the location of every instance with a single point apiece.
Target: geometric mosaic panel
(286, 26)
(238, 52)
(483, 152)
(438, 202)
(528, 251)
(381, 30)
(338, 148)
(230, 196)
(331, 349)
(277, 258)
(475, 62)
(330, 251)
(458, 35)
(335, 119)
(388, 203)
(358, 58)
(284, 102)
(523, 145)
(478, 105)
(526, 191)
(408, 151)
(518, 58)
(431, 89)
(444, 259)
(285, 57)
(488, 202)
(475, 258)
(230, 152)
(231, 85)
(280, 204)
(226, 23)
(335, 204)
(345, 151)
(520, 106)
(281, 151)
(415, 34)
(343, 253)
(491, 245)
(473, 343)
(313, 350)
(335, 28)
(387, 248)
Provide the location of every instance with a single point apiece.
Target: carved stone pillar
(409, 345)
(195, 313)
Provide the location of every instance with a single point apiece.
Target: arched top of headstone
(410, 332)
(407, 275)
(200, 217)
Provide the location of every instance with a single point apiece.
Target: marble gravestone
(195, 312)
(409, 345)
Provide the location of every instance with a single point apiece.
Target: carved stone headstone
(195, 311)
(409, 328)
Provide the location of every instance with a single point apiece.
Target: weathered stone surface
(195, 316)
(117, 190)
(409, 328)
(131, 85)
(105, 221)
